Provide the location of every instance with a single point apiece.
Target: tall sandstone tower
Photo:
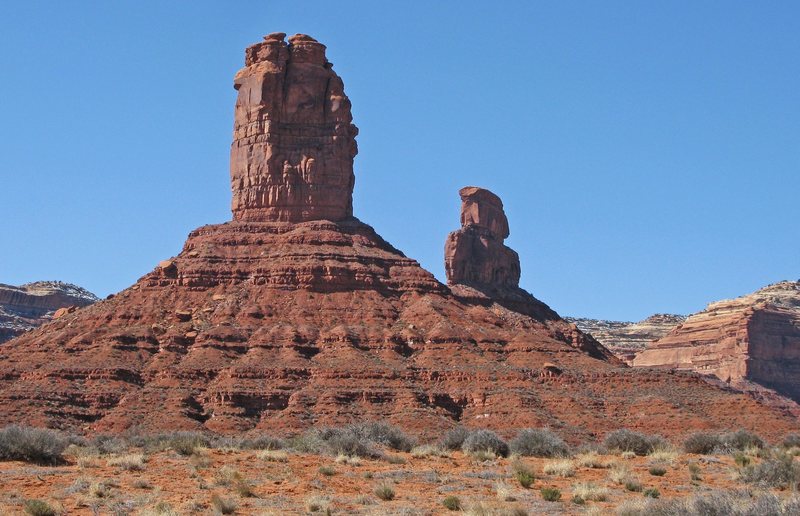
(293, 136)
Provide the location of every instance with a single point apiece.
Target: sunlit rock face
(293, 137)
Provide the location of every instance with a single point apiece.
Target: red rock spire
(475, 254)
(293, 137)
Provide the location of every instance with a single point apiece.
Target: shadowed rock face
(294, 141)
(277, 321)
(751, 338)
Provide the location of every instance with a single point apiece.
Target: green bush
(538, 442)
(37, 445)
(39, 508)
(741, 459)
(452, 503)
(525, 478)
(551, 494)
(657, 471)
(485, 441)
(328, 471)
(633, 485)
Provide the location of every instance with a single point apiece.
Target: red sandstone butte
(753, 338)
(296, 314)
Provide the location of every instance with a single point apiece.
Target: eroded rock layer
(627, 339)
(25, 307)
(278, 327)
(751, 338)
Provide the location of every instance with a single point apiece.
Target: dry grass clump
(551, 494)
(561, 468)
(620, 473)
(590, 492)
(452, 503)
(714, 503)
(317, 504)
(385, 492)
(129, 462)
(592, 459)
(429, 450)
(224, 505)
(503, 492)
(350, 460)
(781, 472)
(272, 455)
(538, 442)
(663, 455)
(37, 445)
(523, 474)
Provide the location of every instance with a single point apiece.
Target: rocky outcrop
(627, 339)
(33, 304)
(752, 338)
(272, 325)
(293, 137)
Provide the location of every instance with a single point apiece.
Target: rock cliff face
(293, 137)
(33, 304)
(296, 314)
(627, 339)
(751, 338)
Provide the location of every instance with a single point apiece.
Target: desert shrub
(577, 500)
(385, 492)
(223, 505)
(523, 474)
(741, 459)
(130, 462)
(560, 468)
(347, 459)
(713, 503)
(346, 441)
(35, 445)
(227, 476)
(358, 440)
(109, 444)
(629, 441)
(485, 440)
(651, 492)
(183, 443)
(454, 438)
(258, 442)
(386, 435)
(694, 472)
(702, 443)
(791, 441)
(590, 491)
(538, 442)
(395, 459)
(244, 488)
(317, 504)
(273, 455)
(633, 485)
(620, 473)
(781, 472)
(551, 494)
(452, 503)
(503, 492)
(39, 508)
(657, 471)
(741, 440)
(328, 471)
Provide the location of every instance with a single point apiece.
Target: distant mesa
(753, 338)
(627, 339)
(296, 314)
(29, 306)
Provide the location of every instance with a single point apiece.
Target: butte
(297, 314)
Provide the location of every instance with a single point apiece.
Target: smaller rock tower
(293, 136)
(475, 254)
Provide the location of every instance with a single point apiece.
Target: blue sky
(648, 154)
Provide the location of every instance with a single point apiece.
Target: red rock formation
(627, 339)
(33, 304)
(293, 137)
(752, 338)
(277, 326)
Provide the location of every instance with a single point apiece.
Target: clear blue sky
(648, 153)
